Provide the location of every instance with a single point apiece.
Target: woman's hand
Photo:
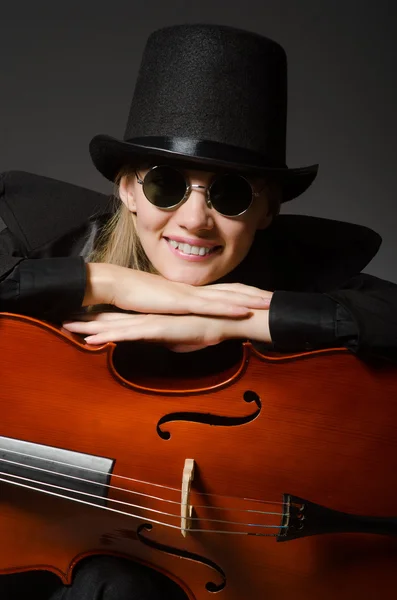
(181, 333)
(138, 291)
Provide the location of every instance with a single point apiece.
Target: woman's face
(195, 224)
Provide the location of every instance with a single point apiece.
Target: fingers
(100, 331)
(228, 304)
(240, 288)
(97, 325)
(137, 327)
(103, 316)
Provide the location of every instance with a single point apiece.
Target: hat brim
(110, 155)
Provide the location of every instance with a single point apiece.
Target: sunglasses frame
(192, 186)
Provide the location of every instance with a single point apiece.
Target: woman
(195, 253)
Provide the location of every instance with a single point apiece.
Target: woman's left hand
(181, 333)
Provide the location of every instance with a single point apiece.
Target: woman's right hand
(138, 291)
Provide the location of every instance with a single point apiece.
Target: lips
(192, 242)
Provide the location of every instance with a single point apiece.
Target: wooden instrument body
(324, 429)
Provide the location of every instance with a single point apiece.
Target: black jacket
(48, 227)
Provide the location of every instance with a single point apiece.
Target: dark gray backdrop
(68, 69)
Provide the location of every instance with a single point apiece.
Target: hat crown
(212, 83)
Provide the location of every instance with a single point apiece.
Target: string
(112, 487)
(58, 487)
(114, 510)
(66, 464)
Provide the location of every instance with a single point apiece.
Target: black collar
(307, 253)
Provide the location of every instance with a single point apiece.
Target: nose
(194, 214)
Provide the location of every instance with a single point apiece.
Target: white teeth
(187, 249)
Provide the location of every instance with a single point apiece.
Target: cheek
(241, 236)
(149, 220)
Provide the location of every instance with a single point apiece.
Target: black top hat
(208, 95)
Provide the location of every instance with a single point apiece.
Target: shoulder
(38, 209)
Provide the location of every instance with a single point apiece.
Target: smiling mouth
(192, 250)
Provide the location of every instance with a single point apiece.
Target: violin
(272, 478)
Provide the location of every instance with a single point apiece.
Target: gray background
(68, 71)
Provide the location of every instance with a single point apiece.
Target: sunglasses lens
(164, 187)
(231, 195)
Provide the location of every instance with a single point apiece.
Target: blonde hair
(119, 242)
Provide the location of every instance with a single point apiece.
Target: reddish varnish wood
(326, 432)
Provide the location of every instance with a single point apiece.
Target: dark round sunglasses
(231, 194)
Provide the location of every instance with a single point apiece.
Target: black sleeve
(44, 287)
(47, 288)
(372, 303)
(307, 321)
(362, 316)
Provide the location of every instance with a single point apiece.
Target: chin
(189, 276)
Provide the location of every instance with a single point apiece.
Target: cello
(273, 477)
